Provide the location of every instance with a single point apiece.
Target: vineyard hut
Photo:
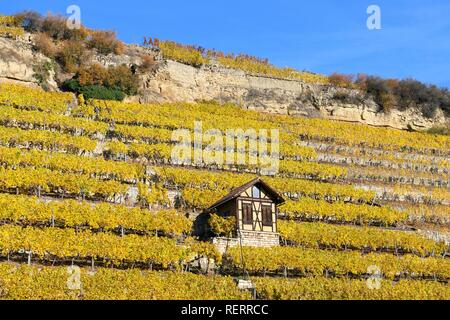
(254, 208)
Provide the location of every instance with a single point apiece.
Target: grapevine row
(315, 262)
(321, 288)
(291, 187)
(310, 129)
(171, 115)
(340, 212)
(101, 216)
(49, 244)
(53, 141)
(33, 119)
(370, 158)
(366, 136)
(96, 167)
(20, 282)
(34, 98)
(39, 181)
(321, 235)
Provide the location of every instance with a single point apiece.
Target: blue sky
(322, 35)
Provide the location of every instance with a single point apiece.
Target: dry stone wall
(249, 239)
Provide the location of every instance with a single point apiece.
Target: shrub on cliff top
(405, 94)
(341, 80)
(72, 55)
(105, 42)
(44, 44)
(54, 26)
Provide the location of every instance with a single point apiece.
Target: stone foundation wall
(222, 244)
(249, 239)
(260, 239)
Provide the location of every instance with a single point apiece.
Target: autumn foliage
(96, 81)
(341, 80)
(44, 43)
(105, 42)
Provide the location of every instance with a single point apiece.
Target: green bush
(94, 91)
(96, 81)
(42, 73)
(103, 93)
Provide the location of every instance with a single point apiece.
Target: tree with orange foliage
(72, 55)
(106, 42)
(93, 74)
(342, 80)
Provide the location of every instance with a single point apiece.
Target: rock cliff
(173, 82)
(18, 62)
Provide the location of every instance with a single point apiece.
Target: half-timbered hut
(255, 208)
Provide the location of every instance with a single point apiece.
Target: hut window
(247, 214)
(267, 216)
(255, 192)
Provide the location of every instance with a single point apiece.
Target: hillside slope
(93, 184)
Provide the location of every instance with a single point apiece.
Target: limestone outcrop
(171, 81)
(18, 62)
(178, 82)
